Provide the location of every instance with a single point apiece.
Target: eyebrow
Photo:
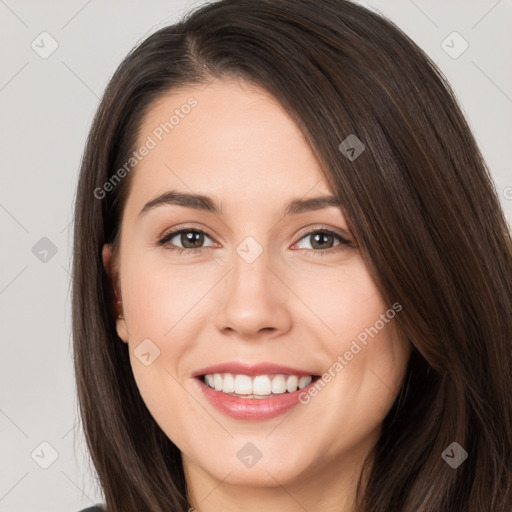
(206, 203)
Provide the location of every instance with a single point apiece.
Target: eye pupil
(194, 237)
(319, 238)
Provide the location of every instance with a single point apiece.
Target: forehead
(227, 139)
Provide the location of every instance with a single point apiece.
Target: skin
(289, 306)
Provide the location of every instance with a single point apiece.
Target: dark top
(96, 508)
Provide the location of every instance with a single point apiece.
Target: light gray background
(46, 107)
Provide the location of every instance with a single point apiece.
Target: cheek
(371, 370)
(161, 304)
(343, 302)
(370, 348)
(159, 296)
(362, 383)
(367, 354)
(163, 395)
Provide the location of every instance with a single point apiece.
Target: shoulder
(95, 508)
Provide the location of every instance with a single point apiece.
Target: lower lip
(252, 409)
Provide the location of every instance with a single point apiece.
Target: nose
(253, 301)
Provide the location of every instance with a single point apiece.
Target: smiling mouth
(258, 386)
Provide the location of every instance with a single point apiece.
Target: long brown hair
(419, 200)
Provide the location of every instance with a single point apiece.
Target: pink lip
(251, 409)
(251, 369)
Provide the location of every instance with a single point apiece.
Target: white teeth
(228, 385)
(260, 385)
(243, 385)
(217, 381)
(304, 381)
(279, 384)
(292, 383)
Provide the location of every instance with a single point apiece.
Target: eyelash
(179, 250)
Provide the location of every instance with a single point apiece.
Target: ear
(110, 266)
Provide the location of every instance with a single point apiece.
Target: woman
(292, 278)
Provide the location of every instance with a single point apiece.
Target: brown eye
(185, 239)
(323, 240)
(191, 239)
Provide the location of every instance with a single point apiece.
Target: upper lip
(238, 368)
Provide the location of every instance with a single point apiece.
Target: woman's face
(254, 283)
